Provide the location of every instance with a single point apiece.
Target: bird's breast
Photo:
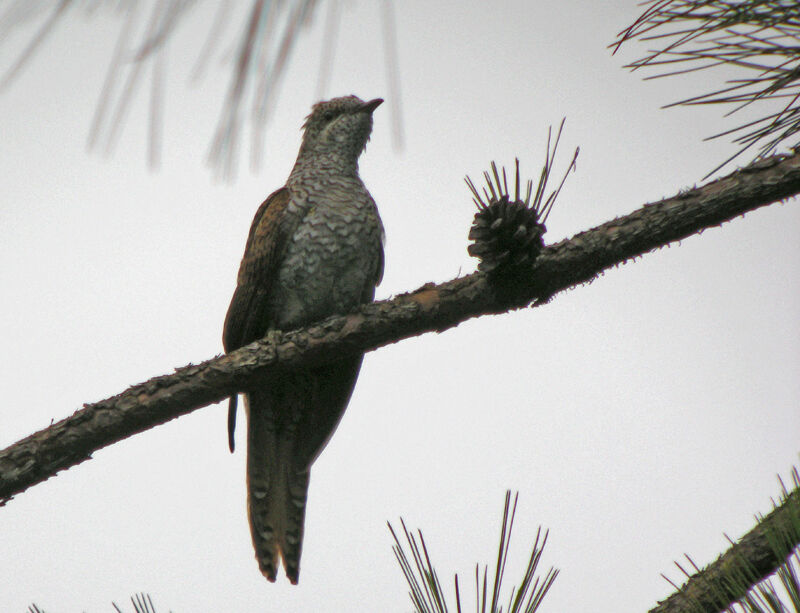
(331, 259)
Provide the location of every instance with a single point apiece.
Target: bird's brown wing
(247, 319)
(369, 290)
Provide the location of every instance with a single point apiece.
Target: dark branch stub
(507, 234)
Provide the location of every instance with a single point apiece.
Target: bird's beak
(372, 105)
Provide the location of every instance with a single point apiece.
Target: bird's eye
(328, 115)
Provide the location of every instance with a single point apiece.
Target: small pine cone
(505, 233)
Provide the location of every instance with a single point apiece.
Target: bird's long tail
(289, 422)
(276, 494)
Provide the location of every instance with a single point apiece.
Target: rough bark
(430, 308)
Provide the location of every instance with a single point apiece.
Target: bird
(315, 249)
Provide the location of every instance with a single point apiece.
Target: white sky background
(640, 417)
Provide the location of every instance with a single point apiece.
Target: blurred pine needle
(259, 53)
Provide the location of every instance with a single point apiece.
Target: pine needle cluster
(760, 39)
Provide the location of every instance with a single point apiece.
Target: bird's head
(339, 128)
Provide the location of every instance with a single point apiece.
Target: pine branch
(757, 555)
(430, 308)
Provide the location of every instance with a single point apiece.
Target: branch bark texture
(428, 309)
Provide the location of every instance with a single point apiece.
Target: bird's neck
(327, 164)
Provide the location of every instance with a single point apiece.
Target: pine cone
(505, 233)
(508, 234)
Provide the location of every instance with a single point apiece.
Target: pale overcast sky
(640, 417)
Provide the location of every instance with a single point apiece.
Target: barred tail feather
(290, 542)
(276, 494)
